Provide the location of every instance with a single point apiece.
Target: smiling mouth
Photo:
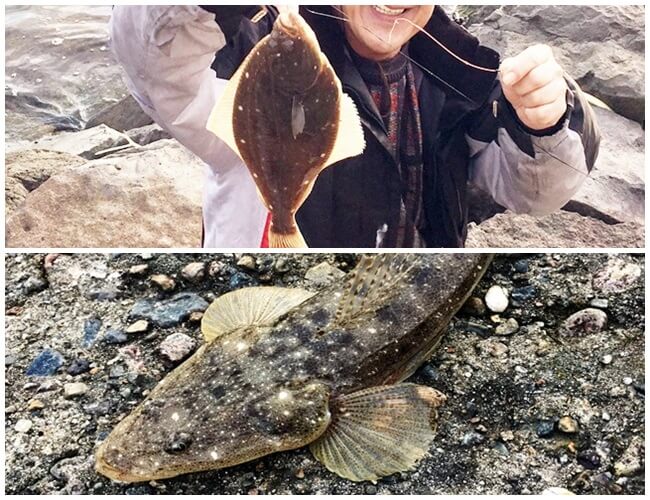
(387, 11)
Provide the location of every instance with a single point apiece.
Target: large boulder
(27, 170)
(122, 115)
(558, 230)
(149, 197)
(601, 46)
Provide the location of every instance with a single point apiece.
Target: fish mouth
(290, 23)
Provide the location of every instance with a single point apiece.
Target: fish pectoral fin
(374, 278)
(349, 139)
(297, 117)
(254, 306)
(379, 431)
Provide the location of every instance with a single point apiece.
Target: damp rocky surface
(549, 393)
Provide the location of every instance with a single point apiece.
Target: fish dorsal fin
(379, 431)
(255, 306)
(374, 278)
(349, 140)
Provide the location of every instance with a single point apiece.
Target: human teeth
(389, 12)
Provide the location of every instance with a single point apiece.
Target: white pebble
(627, 381)
(607, 359)
(23, 425)
(496, 299)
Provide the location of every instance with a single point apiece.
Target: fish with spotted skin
(284, 368)
(284, 113)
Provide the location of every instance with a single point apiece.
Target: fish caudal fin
(255, 306)
(379, 431)
(349, 140)
(286, 240)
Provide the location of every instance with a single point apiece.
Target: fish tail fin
(286, 240)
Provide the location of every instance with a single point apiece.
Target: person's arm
(533, 170)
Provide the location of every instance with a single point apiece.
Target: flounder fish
(285, 368)
(286, 116)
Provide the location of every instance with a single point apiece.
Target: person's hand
(534, 84)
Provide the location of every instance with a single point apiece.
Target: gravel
(499, 431)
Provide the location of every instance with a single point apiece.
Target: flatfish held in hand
(286, 116)
(284, 368)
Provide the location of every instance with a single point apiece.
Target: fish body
(330, 366)
(285, 115)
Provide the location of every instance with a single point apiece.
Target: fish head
(297, 58)
(191, 424)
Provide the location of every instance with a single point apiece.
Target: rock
(45, 364)
(99, 409)
(115, 337)
(74, 390)
(589, 459)
(558, 230)
(630, 462)
(247, 262)
(194, 271)
(10, 359)
(163, 281)
(523, 293)
(602, 47)
(195, 317)
(617, 276)
(508, 327)
(91, 329)
(628, 380)
(472, 439)
(496, 299)
(240, 280)
(138, 270)
(545, 428)
(148, 134)
(281, 265)
(89, 144)
(599, 303)
(169, 312)
(323, 274)
(568, 425)
(117, 371)
(177, 346)
(585, 322)
(507, 436)
(26, 170)
(370, 489)
(139, 326)
(521, 266)
(23, 425)
(606, 359)
(139, 199)
(474, 306)
(34, 284)
(125, 114)
(78, 366)
(35, 404)
(110, 293)
(300, 473)
(493, 348)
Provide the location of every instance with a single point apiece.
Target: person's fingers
(513, 69)
(547, 94)
(538, 77)
(544, 116)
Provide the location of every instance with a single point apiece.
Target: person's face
(369, 28)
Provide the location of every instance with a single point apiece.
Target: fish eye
(178, 442)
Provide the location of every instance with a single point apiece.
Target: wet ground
(534, 402)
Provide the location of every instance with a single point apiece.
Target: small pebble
(140, 326)
(247, 262)
(74, 390)
(115, 337)
(472, 439)
(9, 359)
(568, 425)
(33, 285)
(177, 346)
(496, 299)
(300, 473)
(599, 303)
(606, 416)
(139, 269)
(78, 366)
(163, 281)
(91, 329)
(521, 266)
(507, 436)
(508, 327)
(11, 409)
(23, 425)
(323, 274)
(281, 265)
(628, 380)
(194, 271)
(35, 404)
(195, 316)
(46, 363)
(607, 359)
(371, 489)
(630, 462)
(585, 322)
(545, 428)
(474, 306)
(589, 459)
(523, 293)
(117, 371)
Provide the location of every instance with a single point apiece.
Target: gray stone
(170, 312)
(177, 346)
(599, 303)
(125, 114)
(148, 134)
(618, 275)
(113, 336)
(74, 390)
(631, 461)
(46, 363)
(585, 322)
(247, 262)
(194, 271)
(323, 274)
(85, 143)
(508, 327)
(163, 281)
(140, 199)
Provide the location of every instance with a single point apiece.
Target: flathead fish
(284, 368)
(286, 116)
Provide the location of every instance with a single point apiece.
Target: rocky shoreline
(149, 194)
(549, 393)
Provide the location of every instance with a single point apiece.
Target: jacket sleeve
(166, 53)
(533, 172)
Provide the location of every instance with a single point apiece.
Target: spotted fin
(349, 140)
(374, 278)
(379, 431)
(255, 306)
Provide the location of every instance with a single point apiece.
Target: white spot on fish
(241, 346)
(372, 330)
(247, 75)
(283, 395)
(255, 175)
(214, 455)
(242, 141)
(240, 108)
(175, 417)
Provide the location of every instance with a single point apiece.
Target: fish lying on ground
(284, 368)
(285, 115)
